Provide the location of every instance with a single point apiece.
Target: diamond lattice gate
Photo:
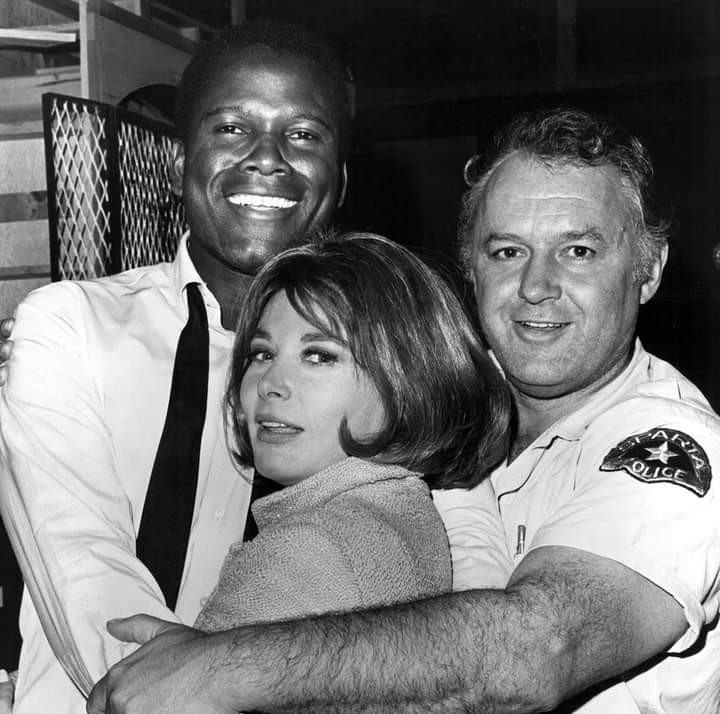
(110, 205)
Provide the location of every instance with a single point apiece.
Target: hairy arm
(567, 620)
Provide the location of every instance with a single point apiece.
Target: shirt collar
(318, 489)
(573, 426)
(184, 273)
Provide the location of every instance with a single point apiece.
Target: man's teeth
(247, 199)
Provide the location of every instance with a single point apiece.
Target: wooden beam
(24, 272)
(68, 8)
(36, 36)
(25, 206)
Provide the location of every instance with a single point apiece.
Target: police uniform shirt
(628, 476)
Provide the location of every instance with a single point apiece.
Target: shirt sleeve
(662, 529)
(67, 515)
(480, 557)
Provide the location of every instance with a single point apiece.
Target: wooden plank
(177, 18)
(24, 206)
(21, 95)
(23, 162)
(23, 37)
(21, 129)
(13, 292)
(140, 25)
(23, 272)
(24, 243)
(67, 8)
(112, 72)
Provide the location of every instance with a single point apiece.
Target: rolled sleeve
(663, 531)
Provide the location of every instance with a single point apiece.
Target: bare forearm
(565, 622)
(439, 654)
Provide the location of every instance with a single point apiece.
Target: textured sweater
(355, 535)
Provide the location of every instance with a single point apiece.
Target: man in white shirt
(263, 120)
(606, 498)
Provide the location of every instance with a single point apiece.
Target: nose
(266, 157)
(274, 383)
(540, 280)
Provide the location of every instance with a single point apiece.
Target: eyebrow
(242, 112)
(592, 233)
(307, 337)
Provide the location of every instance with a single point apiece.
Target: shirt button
(219, 513)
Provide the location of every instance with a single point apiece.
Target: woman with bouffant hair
(356, 371)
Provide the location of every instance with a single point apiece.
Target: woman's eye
(260, 356)
(320, 357)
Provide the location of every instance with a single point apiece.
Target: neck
(537, 414)
(228, 285)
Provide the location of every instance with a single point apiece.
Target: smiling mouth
(276, 432)
(534, 325)
(279, 426)
(262, 203)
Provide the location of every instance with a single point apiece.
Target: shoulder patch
(662, 455)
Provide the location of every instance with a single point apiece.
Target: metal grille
(110, 204)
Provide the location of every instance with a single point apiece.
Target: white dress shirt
(81, 418)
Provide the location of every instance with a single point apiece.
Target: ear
(177, 167)
(343, 184)
(651, 284)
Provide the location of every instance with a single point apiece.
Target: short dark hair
(571, 136)
(278, 36)
(447, 408)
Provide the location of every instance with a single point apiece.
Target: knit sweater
(355, 535)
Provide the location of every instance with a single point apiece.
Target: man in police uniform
(606, 498)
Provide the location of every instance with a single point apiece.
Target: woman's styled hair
(447, 409)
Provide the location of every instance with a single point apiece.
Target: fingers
(7, 692)
(138, 628)
(6, 348)
(6, 327)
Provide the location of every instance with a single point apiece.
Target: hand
(167, 675)
(7, 692)
(6, 347)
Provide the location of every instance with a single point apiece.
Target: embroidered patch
(662, 455)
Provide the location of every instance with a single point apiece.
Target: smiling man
(607, 498)
(117, 485)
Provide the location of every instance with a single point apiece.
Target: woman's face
(300, 384)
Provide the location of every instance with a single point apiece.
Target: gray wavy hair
(571, 136)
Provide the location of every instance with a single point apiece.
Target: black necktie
(165, 526)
